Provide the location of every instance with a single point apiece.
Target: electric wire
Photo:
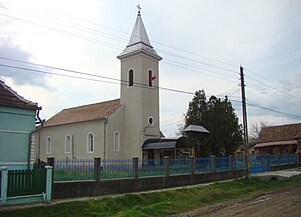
(143, 86)
(175, 55)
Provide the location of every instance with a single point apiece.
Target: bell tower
(139, 90)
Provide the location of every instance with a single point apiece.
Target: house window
(116, 141)
(90, 143)
(131, 77)
(151, 78)
(48, 145)
(68, 144)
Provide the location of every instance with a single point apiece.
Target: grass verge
(157, 203)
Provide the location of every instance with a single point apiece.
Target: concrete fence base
(105, 187)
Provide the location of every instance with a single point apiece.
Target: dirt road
(284, 202)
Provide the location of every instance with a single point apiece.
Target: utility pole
(245, 122)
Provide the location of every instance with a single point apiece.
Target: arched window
(131, 77)
(48, 145)
(116, 141)
(90, 143)
(151, 78)
(67, 144)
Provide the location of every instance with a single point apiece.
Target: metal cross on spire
(139, 8)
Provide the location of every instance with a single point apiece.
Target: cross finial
(139, 8)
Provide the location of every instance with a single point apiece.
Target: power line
(82, 28)
(114, 37)
(119, 31)
(117, 47)
(126, 82)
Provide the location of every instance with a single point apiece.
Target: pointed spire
(139, 40)
(139, 34)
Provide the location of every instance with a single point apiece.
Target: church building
(114, 129)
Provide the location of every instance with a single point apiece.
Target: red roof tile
(8, 97)
(280, 133)
(96, 111)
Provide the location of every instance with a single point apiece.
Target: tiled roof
(8, 97)
(280, 133)
(96, 111)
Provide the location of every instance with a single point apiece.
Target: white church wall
(79, 139)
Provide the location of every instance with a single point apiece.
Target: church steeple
(139, 40)
(139, 89)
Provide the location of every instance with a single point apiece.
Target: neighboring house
(116, 128)
(17, 120)
(279, 139)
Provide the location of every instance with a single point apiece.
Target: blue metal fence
(116, 168)
(83, 169)
(152, 167)
(222, 163)
(73, 169)
(203, 164)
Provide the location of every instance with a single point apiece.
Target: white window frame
(89, 142)
(116, 142)
(48, 145)
(70, 144)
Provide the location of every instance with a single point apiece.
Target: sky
(203, 44)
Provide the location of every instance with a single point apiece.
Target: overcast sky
(202, 43)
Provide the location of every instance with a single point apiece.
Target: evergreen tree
(219, 118)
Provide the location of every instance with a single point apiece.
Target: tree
(219, 118)
(197, 110)
(256, 128)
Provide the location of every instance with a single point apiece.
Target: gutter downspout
(105, 139)
(30, 136)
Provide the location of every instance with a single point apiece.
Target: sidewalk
(282, 174)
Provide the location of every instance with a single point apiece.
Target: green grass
(157, 203)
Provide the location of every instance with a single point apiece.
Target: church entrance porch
(155, 150)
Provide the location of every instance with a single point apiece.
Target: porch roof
(266, 144)
(162, 143)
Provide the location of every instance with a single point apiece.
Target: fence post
(231, 163)
(50, 161)
(192, 164)
(213, 163)
(4, 184)
(135, 167)
(166, 162)
(48, 182)
(97, 161)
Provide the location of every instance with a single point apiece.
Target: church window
(90, 143)
(131, 77)
(48, 145)
(151, 121)
(116, 141)
(151, 78)
(68, 144)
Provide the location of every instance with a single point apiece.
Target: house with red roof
(116, 128)
(17, 121)
(279, 139)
